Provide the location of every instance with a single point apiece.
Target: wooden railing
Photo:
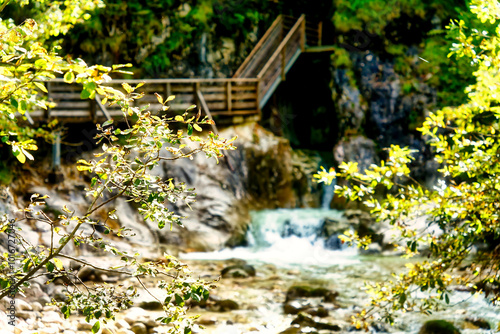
(243, 94)
(285, 55)
(227, 96)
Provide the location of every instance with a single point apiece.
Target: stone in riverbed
(438, 327)
(291, 330)
(227, 305)
(305, 320)
(294, 307)
(301, 291)
(22, 305)
(238, 271)
(476, 323)
(139, 328)
(317, 312)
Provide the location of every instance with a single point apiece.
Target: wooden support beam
(56, 151)
(204, 106)
(102, 107)
(229, 96)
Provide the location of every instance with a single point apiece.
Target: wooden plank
(65, 96)
(72, 105)
(258, 46)
(234, 112)
(236, 105)
(243, 88)
(70, 113)
(244, 96)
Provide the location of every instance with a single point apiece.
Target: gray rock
(139, 328)
(300, 291)
(238, 271)
(22, 305)
(37, 306)
(122, 324)
(478, 323)
(227, 305)
(52, 317)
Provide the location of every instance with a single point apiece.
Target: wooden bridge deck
(245, 94)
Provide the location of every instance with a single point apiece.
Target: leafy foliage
(122, 169)
(392, 29)
(155, 35)
(461, 212)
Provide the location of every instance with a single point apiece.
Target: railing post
(229, 96)
(283, 63)
(303, 35)
(196, 88)
(320, 32)
(56, 151)
(49, 90)
(259, 82)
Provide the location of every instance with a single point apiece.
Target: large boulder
(438, 327)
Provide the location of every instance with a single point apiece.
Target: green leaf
(96, 327)
(13, 102)
(179, 300)
(85, 94)
(69, 77)
(108, 122)
(190, 129)
(50, 266)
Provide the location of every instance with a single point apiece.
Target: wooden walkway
(243, 95)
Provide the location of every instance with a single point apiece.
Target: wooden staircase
(243, 95)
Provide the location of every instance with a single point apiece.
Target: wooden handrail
(240, 69)
(281, 46)
(174, 81)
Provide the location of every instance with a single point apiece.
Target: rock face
(262, 173)
(357, 149)
(382, 108)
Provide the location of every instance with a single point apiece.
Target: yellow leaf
(170, 98)
(58, 263)
(21, 157)
(160, 99)
(179, 118)
(40, 86)
(197, 127)
(127, 87)
(80, 168)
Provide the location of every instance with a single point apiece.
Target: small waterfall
(290, 236)
(328, 193)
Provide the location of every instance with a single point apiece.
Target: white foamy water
(287, 237)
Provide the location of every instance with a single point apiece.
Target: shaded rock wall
(263, 173)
